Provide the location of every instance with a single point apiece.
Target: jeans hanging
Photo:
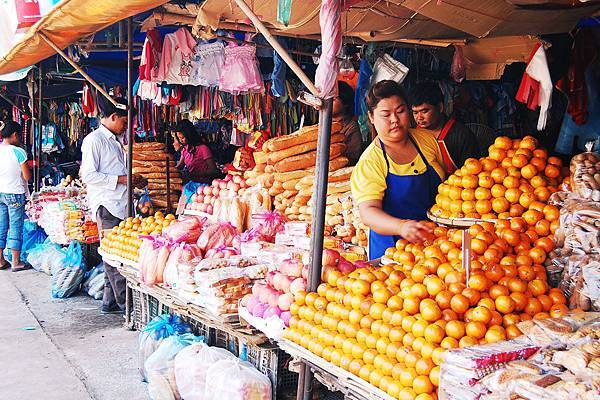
(279, 73)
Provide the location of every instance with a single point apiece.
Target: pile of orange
(123, 240)
(516, 177)
(391, 325)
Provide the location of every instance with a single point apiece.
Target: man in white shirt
(104, 170)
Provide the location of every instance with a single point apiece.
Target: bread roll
(334, 164)
(292, 175)
(307, 160)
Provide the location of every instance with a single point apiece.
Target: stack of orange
(515, 178)
(391, 325)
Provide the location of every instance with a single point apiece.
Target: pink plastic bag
(187, 230)
(268, 223)
(458, 70)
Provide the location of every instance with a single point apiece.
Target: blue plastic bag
(155, 332)
(189, 189)
(32, 236)
(68, 275)
(44, 255)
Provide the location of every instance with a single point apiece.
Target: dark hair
(9, 128)
(107, 108)
(426, 92)
(346, 96)
(192, 137)
(384, 90)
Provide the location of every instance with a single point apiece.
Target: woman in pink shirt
(196, 159)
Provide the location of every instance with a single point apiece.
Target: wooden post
(130, 135)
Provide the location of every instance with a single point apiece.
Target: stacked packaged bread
(151, 160)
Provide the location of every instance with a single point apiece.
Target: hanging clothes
(279, 72)
(88, 102)
(151, 56)
(210, 58)
(178, 58)
(536, 86)
(240, 71)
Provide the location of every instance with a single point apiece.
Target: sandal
(4, 266)
(20, 267)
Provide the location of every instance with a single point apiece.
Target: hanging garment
(51, 141)
(536, 85)
(331, 42)
(151, 55)
(178, 58)
(88, 102)
(278, 74)
(240, 71)
(570, 130)
(406, 197)
(210, 58)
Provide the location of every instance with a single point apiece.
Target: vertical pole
(38, 157)
(129, 117)
(169, 208)
(318, 219)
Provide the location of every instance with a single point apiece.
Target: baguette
(289, 193)
(341, 175)
(259, 168)
(290, 185)
(277, 156)
(149, 170)
(304, 135)
(161, 163)
(155, 186)
(269, 169)
(152, 157)
(273, 191)
(334, 165)
(163, 180)
(149, 146)
(287, 176)
(277, 185)
(260, 157)
(338, 187)
(307, 160)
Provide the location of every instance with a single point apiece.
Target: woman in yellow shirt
(396, 178)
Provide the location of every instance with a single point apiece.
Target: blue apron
(406, 197)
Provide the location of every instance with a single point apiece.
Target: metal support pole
(38, 158)
(318, 220)
(277, 47)
(80, 70)
(130, 135)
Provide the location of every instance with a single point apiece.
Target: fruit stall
(512, 261)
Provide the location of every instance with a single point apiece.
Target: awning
(373, 20)
(67, 22)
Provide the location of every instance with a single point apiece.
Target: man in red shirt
(456, 141)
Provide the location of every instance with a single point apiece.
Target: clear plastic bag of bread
(582, 228)
(585, 174)
(581, 282)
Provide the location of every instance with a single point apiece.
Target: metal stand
(130, 135)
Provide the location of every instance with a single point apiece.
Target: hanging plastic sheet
(284, 11)
(364, 77)
(331, 33)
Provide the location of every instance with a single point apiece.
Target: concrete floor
(62, 349)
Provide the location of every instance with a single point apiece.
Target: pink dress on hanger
(240, 70)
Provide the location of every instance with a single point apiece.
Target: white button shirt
(103, 161)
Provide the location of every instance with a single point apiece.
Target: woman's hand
(415, 231)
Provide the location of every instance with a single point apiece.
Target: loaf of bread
(276, 156)
(341, 175)
(144, 164)
(149, 146)
(260, 157)
(304, 135)
(334, 164)
(307, 160)
(157, 156)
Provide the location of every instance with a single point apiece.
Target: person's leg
(106, 220)
(4, 264)
(16, 216)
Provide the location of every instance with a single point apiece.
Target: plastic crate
(273, 362)
(201, 329)
(144, 307)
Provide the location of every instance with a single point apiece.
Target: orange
(557, 297)
(469, 181)
(459, 304)
(495, 334)
(434, 334)
(467, 341)
(528, 171)
(498, 191)
(532, 216)
(517, 285)
(479, 282)
(481, 314)
(551, 212)
(497, 154)
(422, 384)
(533, 306)
(558, 310)
(455, 329)
(486, 180)
(449, 343)
(503, 142)
(424, 366)
(537, 287)
(541, 315)
(552, 171)
(518, 225)
(497, 291)
(430, 310)
(443, 299)
(538, 255)
(505, 304)
(555, 161)
(488, 164)
(510, 319)
(500, 204)
(519, 160)
(546, 302)
(499, 174)
(513, 331)
(511, 182)
(526, 199)
(513, 195)
(475, 329)
(473, 166)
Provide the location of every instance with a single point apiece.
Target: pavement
(62, 349)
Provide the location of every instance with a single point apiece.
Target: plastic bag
(458, 70)
(40, 256)
(152, 335)
(93, 283)
(186, 230)
(236, 380)
(160, 366)
(268, 224)
(32, 237)
(585, 174)
(67, 277)
(144, 205)
(217, 235)
(387, 68)
(191, 368)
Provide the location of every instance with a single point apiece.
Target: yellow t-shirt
(368, 177)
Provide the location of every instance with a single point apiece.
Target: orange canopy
(67, 22)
